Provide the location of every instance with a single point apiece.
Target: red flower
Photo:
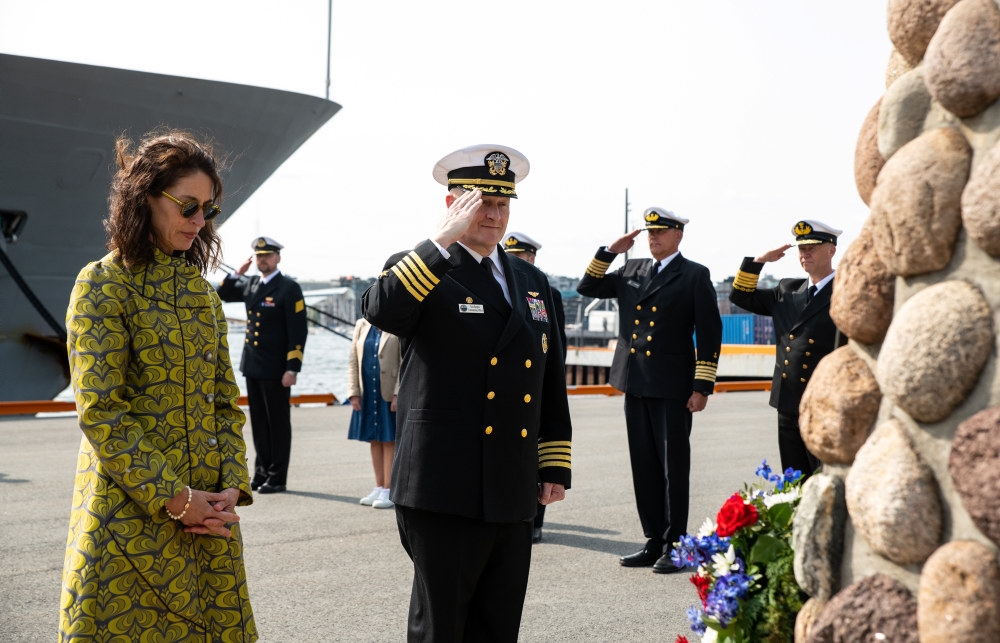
(734, 515)
(702, 583)
(681, 639)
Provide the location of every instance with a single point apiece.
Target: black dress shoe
(271, 488)
(536, 535)
(666, 566)
(649, 555)
(255, 485)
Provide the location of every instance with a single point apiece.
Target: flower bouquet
(744, 562)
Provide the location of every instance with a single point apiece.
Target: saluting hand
(459, 216)
(773, 255)
(242, 270)
(623, 243)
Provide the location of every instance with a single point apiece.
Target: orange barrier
(30, 407)
(720, 387)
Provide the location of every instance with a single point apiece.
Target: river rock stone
(818, 535)
(916, 204)
(806, 617)
(903, 521)
(876, 608)
(839, 407)
(962, 63)
(868, 161)
(911, 24)
(981, 203)
(959, 595)
(863, 291)
(903, 112)
(895, 67)
(939, 341)
(974, 463)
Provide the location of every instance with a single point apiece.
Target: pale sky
(740, 115)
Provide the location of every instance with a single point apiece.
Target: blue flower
(694, 618)
(763, 471)
(722, 608)
(734, 585)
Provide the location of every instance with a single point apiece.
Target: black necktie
(487, 265)
(656, 268)
(810, 293)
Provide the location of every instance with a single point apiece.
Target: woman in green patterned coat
(154, 550)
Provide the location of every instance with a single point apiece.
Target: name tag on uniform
(634, 284)
(470, 308)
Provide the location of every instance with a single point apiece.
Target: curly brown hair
(162, 158)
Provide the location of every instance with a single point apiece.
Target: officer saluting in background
(661, 302)
(272, 357)
(805, 333)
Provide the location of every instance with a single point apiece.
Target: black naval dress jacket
(804, 334)
(276, 324)
(655, 355)
(482, 414)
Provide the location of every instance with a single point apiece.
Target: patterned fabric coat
(157, 403)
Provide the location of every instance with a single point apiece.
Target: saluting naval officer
(483, 427)
(525, 248)
(661, 302)
(803, 329)
(272, 357)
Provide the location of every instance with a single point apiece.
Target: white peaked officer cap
(657, 218)
(520, 242)
(265, 245)
(810, 232)
(494, 169)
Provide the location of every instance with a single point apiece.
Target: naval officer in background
(272, 357)
(661, 302)
(525, 248)
(803, 329)
(483, 427)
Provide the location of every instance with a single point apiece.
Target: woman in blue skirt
(372, 385)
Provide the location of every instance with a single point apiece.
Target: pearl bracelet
(186, 505)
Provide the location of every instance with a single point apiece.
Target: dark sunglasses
(190, 208)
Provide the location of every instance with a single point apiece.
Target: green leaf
(767, 548)
(781, 515)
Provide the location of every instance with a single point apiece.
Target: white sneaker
(370, 498)
(383, 502)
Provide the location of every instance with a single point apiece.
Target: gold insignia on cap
(653, 216)
(260, 242)
(511, 241)
(545, 343)
(497, 162)
(802, 228)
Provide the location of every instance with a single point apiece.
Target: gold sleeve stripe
(296, 354)
(745, 281)
(408, 269)
(300, 305)
(419, 268)
(597, 268)
(565, 465)
(555, 454)
(705, 371)
(555, 443)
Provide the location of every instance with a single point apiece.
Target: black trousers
(469, 576)
(659, 447)
(793, 450)
(271, 423)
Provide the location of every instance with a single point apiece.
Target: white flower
(710, 636)
(707, 528)
(777, 498)
(722, 564)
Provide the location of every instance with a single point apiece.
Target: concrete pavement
(322, 568)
